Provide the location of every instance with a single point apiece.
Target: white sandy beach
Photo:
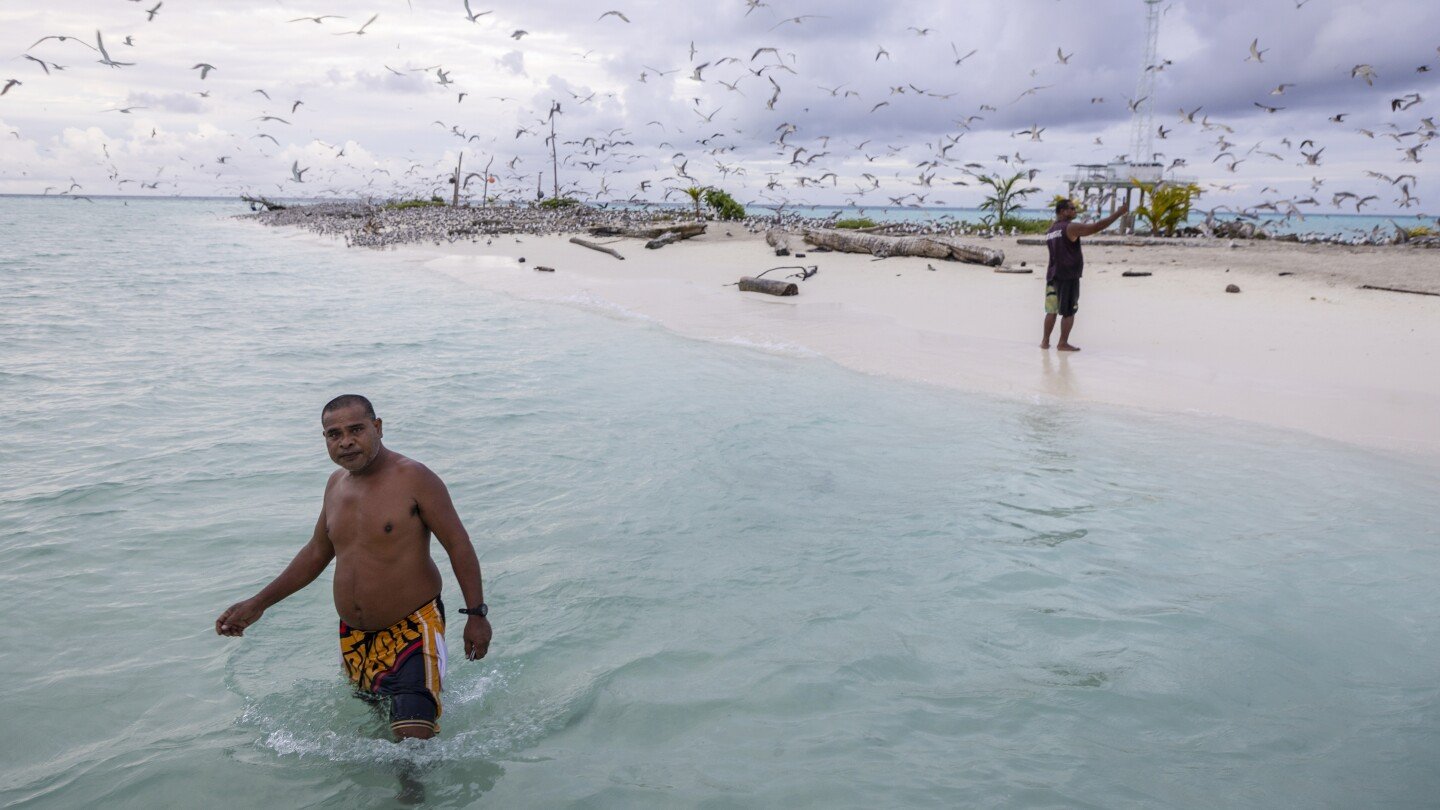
(1309, 351)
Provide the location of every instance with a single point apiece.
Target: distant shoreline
(1302, 347)
(1349, 223)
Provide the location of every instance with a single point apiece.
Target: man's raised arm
(313, 558)
(438, 512)
(1075, 230)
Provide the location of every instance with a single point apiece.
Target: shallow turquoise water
(719, 578)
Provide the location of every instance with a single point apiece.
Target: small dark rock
(1135, 273)
(1287, 273)
(782, 251)
(1024, 264)
(1232, 288)
(799, 255)
(522, 259)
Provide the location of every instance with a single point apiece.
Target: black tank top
(1066, 260)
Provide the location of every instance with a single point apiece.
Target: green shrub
(855, 223)
(556, 203)
(1026, 225)
(1169, 205)
(724, 206)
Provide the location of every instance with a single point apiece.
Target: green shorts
(1062, 297)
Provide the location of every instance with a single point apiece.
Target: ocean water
(719, 577)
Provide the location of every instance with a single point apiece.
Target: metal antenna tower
(1142, 118)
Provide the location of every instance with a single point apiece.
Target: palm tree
(695, 193)
(1006, 196)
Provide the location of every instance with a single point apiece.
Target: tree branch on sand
(930, 247)
(269, 206)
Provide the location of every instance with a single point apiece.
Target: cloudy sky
(876, 103)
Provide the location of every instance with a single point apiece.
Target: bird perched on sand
(204, 69)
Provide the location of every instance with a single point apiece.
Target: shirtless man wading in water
(376, 520)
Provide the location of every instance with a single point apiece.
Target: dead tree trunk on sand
(930, 247)
(770, 286)
(586, 243)
(683, 231)
(778, 238)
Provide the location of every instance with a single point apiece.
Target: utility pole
(554, 161)
(455, 181)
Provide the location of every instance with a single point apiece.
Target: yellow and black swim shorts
(404, 664)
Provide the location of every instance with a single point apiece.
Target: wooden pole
(455, 195)
(554, 162)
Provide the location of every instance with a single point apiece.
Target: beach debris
(930, 247)
(779, 239)
(1397, 289)
(254, 201)
(1287, 273)
(586, 243)
(1139, 274)
(1019, 271)
(682, 231)
(1232, 288)
(769, 286)
(662, 241)
(543, 269)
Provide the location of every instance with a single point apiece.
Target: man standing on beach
(375, 522)
(1067, 263)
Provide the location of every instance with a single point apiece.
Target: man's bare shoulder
(416, 473)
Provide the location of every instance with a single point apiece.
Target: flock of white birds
(818, 104)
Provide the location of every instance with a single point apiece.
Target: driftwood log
(588, 244)
(771, 286)
(930, 247)
(269, 206)
(778, 238)
(663, 240)
(682, 231)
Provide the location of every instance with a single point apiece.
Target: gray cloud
(593, 68)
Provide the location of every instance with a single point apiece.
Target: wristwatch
(481, 610)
